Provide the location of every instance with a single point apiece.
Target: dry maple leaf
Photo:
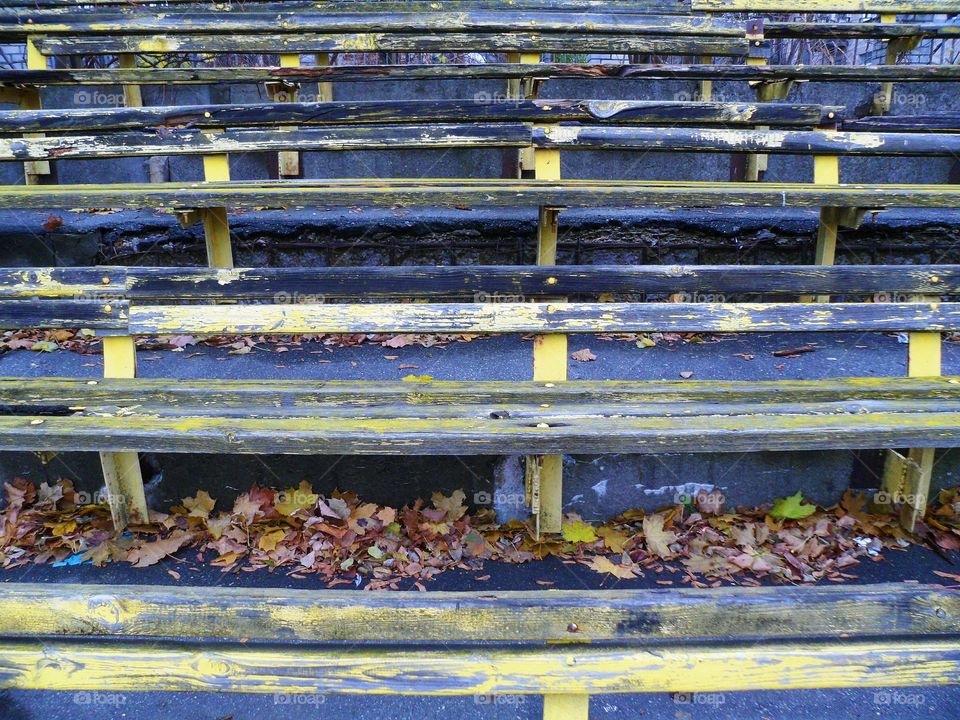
(658, 539)
(153, 552)
(453, 506)
(201, 505)
(584, 355)
(603, 564)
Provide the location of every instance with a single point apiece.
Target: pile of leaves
(347, 541)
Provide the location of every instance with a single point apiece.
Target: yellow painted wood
(822, 6)
(121, 471)
(119, 357)
(514, 84)
(31, 101)
(132, 96)
(906, 479)
(549, 352)
(566, 707)
(216, 230)
(216, 225)
(62, 665)
(325, 88)
(288, 161)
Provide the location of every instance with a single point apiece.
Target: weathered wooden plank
(850, 30)
(396, 42)
(495, 282)
(225, 614)
(70, 7)
(359, 73)
(94, 313)
(541, 318)
(197, 142)
(487, 135)
(417, 111)
(824, 6)
(238, 25)
(550, 434)
(457, 193)
(946, 121)
(727, 140)
(56, 396)
(128, 666)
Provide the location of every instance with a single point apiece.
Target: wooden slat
(359, 73)
(109, 667)
(237, 25)
(552, 433)
(93, 313)
(55, 396)
(70, 7)
(458, 193)
(416, 111)
(849, 30)
(489, 135)
(906, 123)
(682, 615)
(396, 42)
(541, 318)
(825, 6)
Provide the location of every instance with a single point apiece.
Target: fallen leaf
(578, 531)
(658, 539)
(583, 355)
(790, 508)
(602, 564)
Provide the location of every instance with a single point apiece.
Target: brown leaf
(658, 539)
(583, 355)
(153, 552)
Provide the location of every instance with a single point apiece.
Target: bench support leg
(34, 170)
(896, 48)
(216, 226)
(132, 95)
(906, 480)
(549, 360)
(566, 707)
(288, 161)
(121, 471)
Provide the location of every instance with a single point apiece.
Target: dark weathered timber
(458, 193)
(93, 313)
(419, 111)
(766, 141)
(149, 22)
(197, 142)
(489, 135)
(398, 42)
(141, 284)
(682, 615)
(542, 318)
(71, 7)
(490, 436)
(224, 396)
(827, 6)
(850, 30)
(360, 73)
(906, 123)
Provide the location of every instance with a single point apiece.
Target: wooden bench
(124, 415)
(562, 644)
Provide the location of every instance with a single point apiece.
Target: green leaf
(44, 346)
(375, 552)
(578, 531)
(790, 508)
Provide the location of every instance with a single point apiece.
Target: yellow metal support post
(566, 707)
(325, 88)
(906, 479)
(896, 47)
(216, 226)
(288, 161)
(549, 358)
(826, 171)
(30, 100)
(132, 96)
(121, 470)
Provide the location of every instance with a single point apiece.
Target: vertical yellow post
(325, 88)
(132, 96)
(549, 357)
(288, 161)
(826, 171)
(121, 471)
(525, 89)
(756, 164)
(906, 480)
(566, 707)
(884, 99)
(30, 100)
(216, 226)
